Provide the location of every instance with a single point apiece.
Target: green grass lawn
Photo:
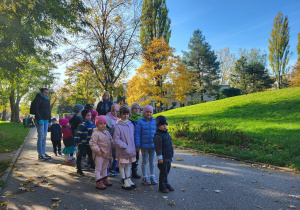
(12, 136)
(269, 122)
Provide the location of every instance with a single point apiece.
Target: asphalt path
(200, 181)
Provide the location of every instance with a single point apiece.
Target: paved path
(200, 182)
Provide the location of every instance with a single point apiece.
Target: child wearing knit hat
(101, 145)
(164, 151)
(82, 139)
(144, 134)
(68, 141)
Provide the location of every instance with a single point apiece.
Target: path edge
(14, 160)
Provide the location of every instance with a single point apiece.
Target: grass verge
(261, 127)
(12, 136)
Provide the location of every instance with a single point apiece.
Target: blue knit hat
(77, 108)
(161, 120)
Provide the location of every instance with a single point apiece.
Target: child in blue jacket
(144, 134)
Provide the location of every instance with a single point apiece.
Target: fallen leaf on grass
(18, 175)
(56, 204)
(30, 179)
(179, 159)
(174, 167)
(14, 169)
(36, 164)
(216, 172)
(8, 194)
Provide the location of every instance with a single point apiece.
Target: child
(112, 118)
(94, 115)
(76, 119)
(125, 149)
(164, 152)
(144, 134)
(135, 116)
(68, 141)
(101, 145)
(82, 138)
(56, 136)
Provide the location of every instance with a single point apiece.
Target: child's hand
(99, 153)
(160, 161)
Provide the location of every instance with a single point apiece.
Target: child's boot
(106, 181)
(79, 172)
(135, 174)
(126, 185)
(169, 187)
(100, 185)
(131, 183)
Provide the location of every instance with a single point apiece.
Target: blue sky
(231, 23)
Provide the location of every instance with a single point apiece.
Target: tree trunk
(14, 105)
(3, 115)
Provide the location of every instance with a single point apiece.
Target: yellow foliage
(162, 76)
(295, 76)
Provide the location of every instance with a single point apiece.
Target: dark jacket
(84, 132)
(56, 134)
(163, 145)
(104, 107)
(75, 121)
(42, 108)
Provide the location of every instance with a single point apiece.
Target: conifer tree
(279, 47)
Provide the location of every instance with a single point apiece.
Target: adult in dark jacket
(42, 119)
(104, 106)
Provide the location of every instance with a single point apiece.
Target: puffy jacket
(163, 145)
(101, 141)
(124, 139)
(56, 134)
(144, 133)
(42, 108)
(84, 132)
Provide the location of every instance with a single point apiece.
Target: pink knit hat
(147, 108)
(63, 121)
(115, 107)
(94, 113)
(100, 119)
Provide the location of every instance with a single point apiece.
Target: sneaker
(153, 180)
(164, 190)
(72, 157)
(43, 157)
(79, 172)
(48, 156)
(145, 181)
(59, 152)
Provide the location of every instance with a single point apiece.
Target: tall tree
(227, 61)
(160, 77)
(251, 77)
(298, 48)
(154, 22)
(279, 48)
(203, 62)
(254, 56)
(295, 75)
(109, 43)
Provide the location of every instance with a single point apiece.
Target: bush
(230, 92)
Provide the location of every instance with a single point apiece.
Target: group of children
(111, 139)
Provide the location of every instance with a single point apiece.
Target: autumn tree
(109, 43)
(298, 48)
(154, 22)
(202, 61)
(161, 77)
(279, 52)
(227, 61)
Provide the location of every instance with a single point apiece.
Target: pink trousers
(101, 164)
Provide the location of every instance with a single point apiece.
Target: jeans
(41, 137)
(148, 156)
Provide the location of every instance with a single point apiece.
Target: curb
(14, 160)
(263, 165)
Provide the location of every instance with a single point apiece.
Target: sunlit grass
(271, 117)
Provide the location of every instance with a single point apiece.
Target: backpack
(32, 106)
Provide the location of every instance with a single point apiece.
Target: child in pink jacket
(125, 147)
(101, 145)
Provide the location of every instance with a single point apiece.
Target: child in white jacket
(101, 144)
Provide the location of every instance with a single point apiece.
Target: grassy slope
(271, 116)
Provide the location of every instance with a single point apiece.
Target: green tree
(203, 62)
(279, 52)
(251, 77)
(298, 49)
(154, 22)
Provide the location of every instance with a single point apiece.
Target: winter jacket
(101, 141)
(42, 108)
(134, 118)
(111, 123)
(75, 121)
(84, 132)
(56, 134)
(163, 145)
(144, 133)
(104, 107)
(124, 139)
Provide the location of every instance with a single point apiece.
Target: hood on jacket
(63, 121)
